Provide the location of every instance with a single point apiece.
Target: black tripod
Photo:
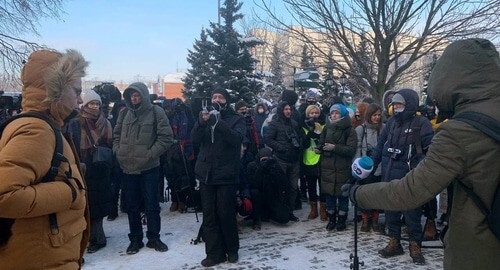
(354, 257)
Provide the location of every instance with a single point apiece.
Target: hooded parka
(26, 150)
(465, 78)
(142, 133)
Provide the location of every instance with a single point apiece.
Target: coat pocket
(67, 232)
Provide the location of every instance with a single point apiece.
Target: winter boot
(394, 248)
(416, 253)
(174, 206)
(182, 207)
(341, 222)
(332, 222)
(314, 211)
(430, 232)
(322, 211)
(365, 225)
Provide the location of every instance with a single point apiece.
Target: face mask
(217, 106)
(310, 102)
(396, 111)
(260, 110)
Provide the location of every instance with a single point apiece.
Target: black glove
(349, 190)
(212, 120)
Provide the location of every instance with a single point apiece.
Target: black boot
(332, 221)
(341, 222)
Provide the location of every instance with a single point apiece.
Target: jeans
(412, 220)
(220, 231)
(142, 188)
(331, 204)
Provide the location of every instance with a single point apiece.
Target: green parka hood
(467, 78)
(143, 90)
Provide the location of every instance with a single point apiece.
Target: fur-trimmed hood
(46, 76)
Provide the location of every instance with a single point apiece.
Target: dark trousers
(412, 220)
(97, 236)
(313, 182)
(220, 231)
(291, 170)
(142, 188)
(116, 182)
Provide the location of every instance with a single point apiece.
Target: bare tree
(398, 33)
(17, 19)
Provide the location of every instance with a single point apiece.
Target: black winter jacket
(218, 160)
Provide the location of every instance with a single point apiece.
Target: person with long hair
(368, 134)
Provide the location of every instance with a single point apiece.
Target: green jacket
(466, 78)
(142, 133)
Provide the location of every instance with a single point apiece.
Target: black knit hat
(265, 152)
(223, 92)
(290, 97)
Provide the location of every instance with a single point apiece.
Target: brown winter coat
(466, 78)
(26, 150)
(336, 165)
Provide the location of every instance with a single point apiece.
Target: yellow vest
(310, 157)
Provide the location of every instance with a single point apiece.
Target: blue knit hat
(339, 108)
(311, 94)
(362, 167)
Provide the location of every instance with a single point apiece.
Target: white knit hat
(90, 95)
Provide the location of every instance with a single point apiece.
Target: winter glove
(349, 190)
(328, 147)
(212, 120)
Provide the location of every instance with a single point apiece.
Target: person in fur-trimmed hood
(52, 83)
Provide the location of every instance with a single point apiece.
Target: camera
(208, 108)
(293, 139)
(395, 152)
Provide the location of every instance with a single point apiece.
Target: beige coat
(26, 149)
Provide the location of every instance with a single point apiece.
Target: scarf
(99, 127)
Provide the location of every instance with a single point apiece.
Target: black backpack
(57, 158)
(490, 127)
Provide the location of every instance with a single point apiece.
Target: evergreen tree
(307, 60)
(329, 90)
(233, 63)
(276, 66)
(199, 78)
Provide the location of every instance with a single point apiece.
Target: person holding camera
(368, 134)
(285, 138)
(398, 152)
(337, 146)
(219, 133)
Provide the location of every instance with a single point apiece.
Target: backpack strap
(416, 133)
(57, 156)
(487, 124)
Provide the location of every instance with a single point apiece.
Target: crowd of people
(228, 159)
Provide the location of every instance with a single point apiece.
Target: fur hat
(223, 92)
(290, 97)
(339, 108)
(362, 167)
(90, 95)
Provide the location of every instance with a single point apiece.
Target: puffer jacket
(398, 135)
(218, 161)
(280, 134)
(465, 78)
(142, 134)
(26, 150)
(336, 164)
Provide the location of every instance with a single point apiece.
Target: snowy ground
(300, 245)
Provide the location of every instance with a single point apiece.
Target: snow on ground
(300, 245)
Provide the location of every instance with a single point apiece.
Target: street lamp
(343, 81)
(329, 83)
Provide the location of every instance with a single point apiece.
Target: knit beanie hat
(362, 167)
(398, 98)
(223, 92)
(90, 95)
(339, 108)
(290, 97)
(311, 94)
